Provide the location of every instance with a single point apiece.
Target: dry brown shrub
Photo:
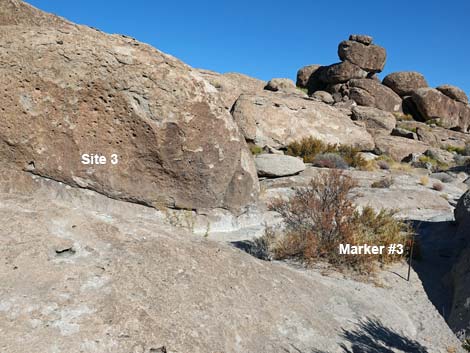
(319, 217)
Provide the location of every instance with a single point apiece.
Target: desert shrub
(458, 150)
(255, 150)
(382, 164)
(438, 186)
(330, 160)
(403, 117)
(424, 180)
(308, 148)
(384, 183)
(434, 163)
(319, 217)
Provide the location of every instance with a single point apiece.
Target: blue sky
(274, 38)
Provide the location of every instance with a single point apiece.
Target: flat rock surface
(278, 165)
(83, 273)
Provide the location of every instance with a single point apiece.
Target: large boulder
(361, 38)
(304, 73)
(454, 93)
(370, 58)
(371, 93)
(377, 121)
(276, 120)
(285, 85)
(404, 83)
(71, 90)
(398, 147)
(459, 318)
(432, 104)
(462, 210)
(231, 85)
(341, 72)
(278, 165)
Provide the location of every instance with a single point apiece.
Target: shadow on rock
(372, 337)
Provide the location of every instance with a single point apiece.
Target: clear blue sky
(274, 38)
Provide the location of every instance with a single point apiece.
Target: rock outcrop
(341, 72)
(70, 90)
(285, 85)
(275, 120)
(304, 73)
(434, 105)
(371, 93)
(459, 318)
(377, 121)
(368, 57)
(405, 83)
(453, 92)
(231, 85)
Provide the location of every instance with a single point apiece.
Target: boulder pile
(354, 80)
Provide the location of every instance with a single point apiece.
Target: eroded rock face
(370, 58)
(371, 93)
(231, 85)
(341, 72)
(398, 147)
(70, 90)
(275, 119)
(454, 93)
(83, 273)
(432, 104)
(404, 83)
(304, 73)
(377, 121)
(285, 85)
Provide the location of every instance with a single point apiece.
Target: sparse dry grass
(424, 180)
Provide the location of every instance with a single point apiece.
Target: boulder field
(106, 256)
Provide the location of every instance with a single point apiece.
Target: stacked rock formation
(354, 80)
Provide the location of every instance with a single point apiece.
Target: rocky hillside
(115, 158)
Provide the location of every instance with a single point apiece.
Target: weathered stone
(427, 136)
(462, 210)
(404, 133)
(440, 155)
(433, 104)
(361, 38)
(370, 58)
(275, 165)
(454, 93)
(304, 73)
(276, 120)
(285, 85)
(136, 284)
(398, 147)
(373, 94)
(376, 120)
(230, 85)
(341, 72)
(404, 83)
(323, 96)
(70, 90)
